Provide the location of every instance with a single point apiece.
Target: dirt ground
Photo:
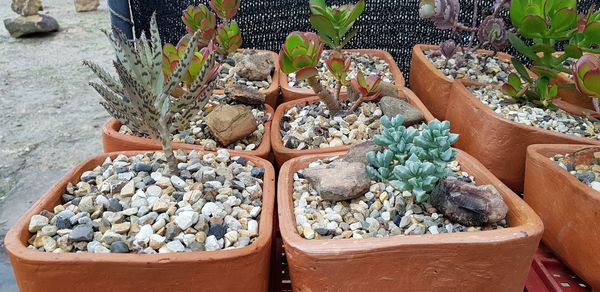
(50, 118)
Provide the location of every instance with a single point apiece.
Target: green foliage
(300, 53)
(366, 86)
(524, 88)
(172, 55)
(225, 9)
(412, 160)
(338, 66)
(587, 36)
(199, 18)
(334, 24)
(586, 73)
(229, 38)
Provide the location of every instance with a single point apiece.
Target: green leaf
(533, 26)
(514, 81)
(521, 70)
(592, 32)
(591, 81)
(520, 46)
(564, 19)
(348, 37)
(359, 8)
(324, 26)
(572, 51)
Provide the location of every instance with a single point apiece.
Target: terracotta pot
(243, 269)
(290, 93)
(568, 208)
(500, 144)
(114, 141)
(496, 260)
(430, 84)
(283, 154)
(271, 93)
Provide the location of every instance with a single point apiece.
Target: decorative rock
(339, 180)
(388, 89)
(86, 5)
(186, 219)
(212, 243)
(467, 203)
(255, 67)
(392, 106)
(175, 246)
(128, 189)
(358, 153)
(229, 123)
(26, 7)
(119, 247)
(26, 25)
(37, 222)
(217, 230)
(244, 94)
(253, 227)
(81, 233)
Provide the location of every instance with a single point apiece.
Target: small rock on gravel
(392, 106)
(339, 180)
(27, 25)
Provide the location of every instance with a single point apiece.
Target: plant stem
(355, 106)
(474, 24)
(331, 103)
(166, 143)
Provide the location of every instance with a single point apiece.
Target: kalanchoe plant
(172, 55)
(199, 18)
(586, 72)
(229, 38)
(587, 36)
(225, 9)
(366, 87)
(334, 24)
(141, 99)
(412, 160)
(524, 88)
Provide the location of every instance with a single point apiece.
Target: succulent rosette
(199, 18)
(443, 13)
(448, 48)
(172, 55)
(338, 66)
(300, 54)
(229, 38)
(366, 86)
(493, 31)
(225, 8)
(586, 72)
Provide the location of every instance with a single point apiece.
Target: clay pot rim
(19, 251)
(484, 109)
(419, 51)
(531, 224)
(394, 69)
(537, 153)
(276, 138)
(112, 126)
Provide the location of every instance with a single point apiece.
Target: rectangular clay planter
(242, 269)
(430, 84)
(569, 209)
(283, 154)
(113, 141)
(290, 93)
(496, 260)
(498, 143)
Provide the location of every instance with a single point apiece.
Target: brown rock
(230, 123)
(86, 5)
(244, 94)
(358, 152)
(339, 180)
(26, 7)
(254, 66)
(468, 204)
(26, 25)
(393, 106)
(388, 89)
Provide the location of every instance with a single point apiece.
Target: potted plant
(214, 126)
(403, 200)
(155, 204)
(527, 109)
(331, 121)
(255, 68)
(564, 175)
(434, 68)
(334, 25)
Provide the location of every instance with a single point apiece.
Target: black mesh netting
(391, 25)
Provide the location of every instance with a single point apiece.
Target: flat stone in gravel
(339, 180)
(82, 233)
(393, 106)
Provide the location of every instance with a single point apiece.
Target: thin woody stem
(167, 143)
(474, 24)
(331, 103)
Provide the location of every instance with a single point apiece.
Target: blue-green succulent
(412, 160)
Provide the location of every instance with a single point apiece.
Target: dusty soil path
(50, 118)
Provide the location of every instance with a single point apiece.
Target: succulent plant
(338, 66)
(172, 55)
(448, 48)
(417, 176)
(443, 13)
(493, 31)
(229, 38)
(586, 72)
(334, 24)
(225, 9)
(522, 87)
(587, 36)
(199, 18)
(140, 97)
(412, 160)
(366, 86)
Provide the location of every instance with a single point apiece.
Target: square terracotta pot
(113, 141)
(290, 93)
(496, 260)
(283, 154)
(242, 269)
(498, 143)
(569, 209)
(430, 84)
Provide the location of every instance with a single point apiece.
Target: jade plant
(227, 34)
(586, 72)
(445, 14)
(545, 24)
(334, 24)
(141, 96)
(412, 160)
(300, 54)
